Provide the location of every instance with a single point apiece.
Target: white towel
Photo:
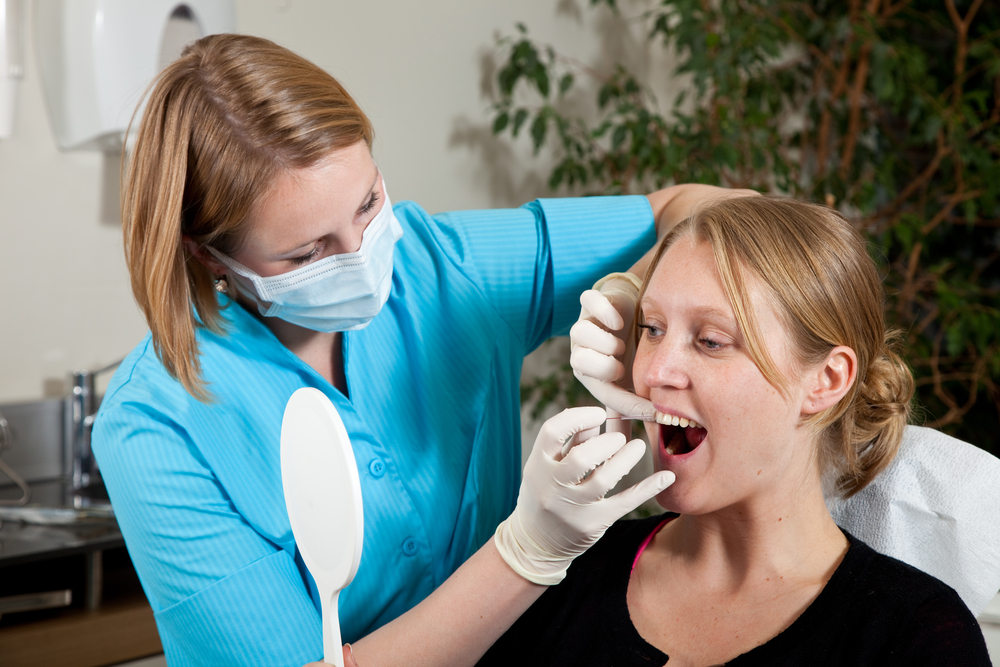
(936, 507)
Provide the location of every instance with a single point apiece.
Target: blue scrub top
(433, 415)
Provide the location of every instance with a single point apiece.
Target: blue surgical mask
(336, 293)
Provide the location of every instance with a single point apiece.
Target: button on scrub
(410, 547)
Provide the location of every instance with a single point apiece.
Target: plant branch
(962, 29)
(893, 9)
(925, 176)
(854, 99)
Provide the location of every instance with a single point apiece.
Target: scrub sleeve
(432, 410)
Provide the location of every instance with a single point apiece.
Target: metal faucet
(81, 410)
(82, 466)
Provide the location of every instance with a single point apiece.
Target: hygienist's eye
(370, 205)
(308, 257)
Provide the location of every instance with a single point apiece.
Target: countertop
(26, 542)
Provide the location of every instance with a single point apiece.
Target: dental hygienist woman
(266, 256)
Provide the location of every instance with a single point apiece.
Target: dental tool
(660, 418)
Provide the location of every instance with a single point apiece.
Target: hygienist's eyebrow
(295, 251)
(367, 198)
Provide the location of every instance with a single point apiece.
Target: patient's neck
(790, 538)
(712, 587)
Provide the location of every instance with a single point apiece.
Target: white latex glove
(602, 360)
(561, 509)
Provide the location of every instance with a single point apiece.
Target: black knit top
(875, 610)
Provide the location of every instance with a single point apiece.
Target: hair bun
(876, 419)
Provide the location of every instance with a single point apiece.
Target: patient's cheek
(639, 367)
(652, 432)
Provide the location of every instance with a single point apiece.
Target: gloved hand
(602, 360)
(561, 509)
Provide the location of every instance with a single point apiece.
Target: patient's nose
(665, 365)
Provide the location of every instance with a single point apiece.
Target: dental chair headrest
(936, 507)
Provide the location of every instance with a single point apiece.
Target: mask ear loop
(222, 285)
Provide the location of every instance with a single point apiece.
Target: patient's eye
(652, 331)
(710, 343)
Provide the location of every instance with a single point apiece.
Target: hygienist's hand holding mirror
(323, 497)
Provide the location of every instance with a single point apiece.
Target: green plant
(889, 111)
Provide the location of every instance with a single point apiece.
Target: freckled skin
(320, 205)
(698, 365)
(728, 574)
(310, 213)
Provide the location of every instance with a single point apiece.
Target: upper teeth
(674, 420)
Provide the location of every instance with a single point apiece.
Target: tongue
(683, 440)
(694, 436)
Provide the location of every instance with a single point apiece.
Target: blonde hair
(220, 124)
(813, 268)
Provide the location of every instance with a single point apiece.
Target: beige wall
(417, 68)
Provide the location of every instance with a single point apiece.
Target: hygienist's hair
(813, 267)
(220, 124)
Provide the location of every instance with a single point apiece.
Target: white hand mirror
(323, 498)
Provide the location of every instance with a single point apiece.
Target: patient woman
(762, 346)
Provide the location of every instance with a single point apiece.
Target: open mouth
(679, 436)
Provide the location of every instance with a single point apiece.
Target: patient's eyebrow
(708, 312)
(701, 311)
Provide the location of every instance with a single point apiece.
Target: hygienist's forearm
(674, 204)
(458, 622)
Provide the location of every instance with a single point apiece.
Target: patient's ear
(830, 380)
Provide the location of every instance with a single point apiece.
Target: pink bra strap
(649, 538)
